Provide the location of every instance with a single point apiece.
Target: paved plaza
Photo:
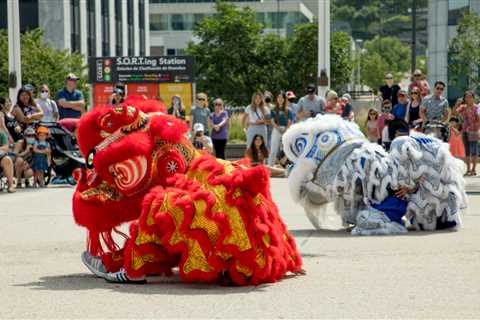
(420, 275)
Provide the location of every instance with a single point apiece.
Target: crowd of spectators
(24, 150)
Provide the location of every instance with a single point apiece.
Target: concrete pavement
(420, 275)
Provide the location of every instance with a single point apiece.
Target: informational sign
(163, 69)
(102, 94)
(184, 90)
(149, 90)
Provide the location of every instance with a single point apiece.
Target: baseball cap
(42, 130)
(311, 88)
(388, 76)
(290, 95)
(118, 91)
(402, 92)
(417, 72)
(71, 76)
(347, 97)
(197, 127)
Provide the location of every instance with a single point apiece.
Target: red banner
(102, 94)
(149, 90)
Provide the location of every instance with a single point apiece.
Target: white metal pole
(323, 43)
(147, 27)
(14, 53)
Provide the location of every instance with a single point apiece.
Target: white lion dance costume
(333, 161)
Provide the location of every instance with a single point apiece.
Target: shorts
(471, 147)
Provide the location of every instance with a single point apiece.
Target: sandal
(11, 190)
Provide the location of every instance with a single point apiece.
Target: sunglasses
(218, 104)
(372, 114)
(43, 91)
(414, 93)
(417, 75)
(30, 135)
(388, 78)
(200, 99)
(439, 88)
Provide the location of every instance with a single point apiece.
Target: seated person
(6, 163)
(257, 153)
(23, 151)
(200, 140)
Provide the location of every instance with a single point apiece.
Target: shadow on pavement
(343, 233)
(155, 285)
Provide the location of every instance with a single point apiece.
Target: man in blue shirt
(70, 101)
(400, 109)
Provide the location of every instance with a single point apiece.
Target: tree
(234, 59)
(382, 55)
(41, 63)
(225, 56)
(465, 51)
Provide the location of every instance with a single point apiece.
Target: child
(455, 141)
(373, 131)
(41, 153)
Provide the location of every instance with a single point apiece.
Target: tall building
(443, 19)
(172, 21)
(91, 27)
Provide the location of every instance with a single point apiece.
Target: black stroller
(65, 156)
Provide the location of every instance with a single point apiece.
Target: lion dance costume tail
(213, 219)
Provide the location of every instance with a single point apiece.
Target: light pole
(323, 72)
(14, 54)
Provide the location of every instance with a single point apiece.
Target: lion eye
(90, 157)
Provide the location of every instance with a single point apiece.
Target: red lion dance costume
(215, 220)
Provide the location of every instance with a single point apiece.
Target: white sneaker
(94, 264)
(121, 277)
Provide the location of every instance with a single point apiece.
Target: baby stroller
(437, 129)
(65, 157)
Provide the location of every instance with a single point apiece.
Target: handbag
(473, 136)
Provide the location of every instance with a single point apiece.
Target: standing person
(177, 109)
(219, 124)
(345, 109)
(70, 100)
(332, 102)
(310, 105)
(470, 135)
(48, 106)
(118, 96)
(390, 91)
(255, 119)
(6, 163)
(435, 106)
(413, 110)
(292, 106)
(26, 111)
(419, 81)
(455, 141)
(41, 154)
(373, 131)
(384, 116)
(282, 119)
(399, 110)
(268, 96)
(200, 113)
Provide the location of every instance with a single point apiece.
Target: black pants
(219, 146)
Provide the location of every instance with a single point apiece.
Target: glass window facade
(91, 43)
(105, 28)
(28, 14)
(75, 25)
(118, 28)
(456, 10)
(141, 10)
(187, 21)
(197, 1)
(131, 36)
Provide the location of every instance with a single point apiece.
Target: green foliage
(41, 63)
(465, 51)
(234, 59)
(235, 130)
(382, 55)
(226, 55)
